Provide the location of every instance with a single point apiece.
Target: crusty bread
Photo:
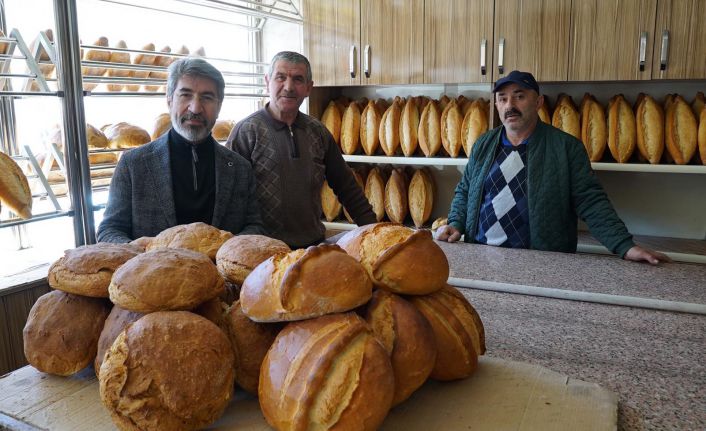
(161, 61)
(544, 111)
(325, 374)
(458, 330)
(421, 196)
(142, 242)
(14, 187)
(62, 330)
(702, 136)
(390, 129)
(305, 283)
(118, 319)
(397, 258)
(698, 104)
(238, 256)
(375, 192)
(162, 124)
(370, 127)
(475, 123)
(96, 141)
(622, 130)
(566, 117)
(142, 59)
(329, 203)
(350, 129)
(87, 270)
(124, 135)
(197, 236)
(118, 57)
(649, 122)
(359, 180)
(221, 130)
(409, 126)
(408, 339)
(167, 371)
(594, 130)
(332, 120)
(396, 206)
(95, 55)
(681, 131)
(165, 279)
(429, 133)
(251, 341)
(443, 101)
(451, 122)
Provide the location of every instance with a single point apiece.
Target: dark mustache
(190, 116)
(512, 111)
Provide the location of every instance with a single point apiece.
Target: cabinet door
(680, 40)
(532, 36)
(391, 41)
(331, 40)
(458, 40)
(611, 40)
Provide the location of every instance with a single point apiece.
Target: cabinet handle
(351, 61)
(501, 55)
(665, 49)
(366, 61)
(643, 50)
(483, 44)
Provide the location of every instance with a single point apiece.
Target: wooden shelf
(421, 161)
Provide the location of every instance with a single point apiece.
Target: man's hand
(447, 233)
(639, 254)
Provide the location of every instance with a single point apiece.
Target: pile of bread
(328, 337)
(394, 194)
(647, 131)
(413, 126)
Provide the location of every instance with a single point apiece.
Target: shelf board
(421, 161)
(643, 167)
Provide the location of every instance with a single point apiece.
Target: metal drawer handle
(665, 50)
(483, 44)
(643, 50)
(366, 59)
(501, 55)
(351, 61)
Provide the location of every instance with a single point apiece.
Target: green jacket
(561, 186)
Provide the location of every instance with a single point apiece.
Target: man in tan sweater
(292, 154)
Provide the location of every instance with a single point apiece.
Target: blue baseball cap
(524, 79)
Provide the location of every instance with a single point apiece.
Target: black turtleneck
(193, 178)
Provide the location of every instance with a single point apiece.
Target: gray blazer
(141, 200)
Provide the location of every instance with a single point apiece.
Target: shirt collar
(506, 142)
(279, 125)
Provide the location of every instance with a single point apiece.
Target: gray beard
(192, 134)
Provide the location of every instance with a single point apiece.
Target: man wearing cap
(526, 182)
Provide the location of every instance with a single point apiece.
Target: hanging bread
(702, 136)
(95, 55)
(375, 192)
(329, 202)
(350, 129)
(409, 126)
(361, 183)
(680, 131)
(451, 122)
(622, 133)
(118, 57)
(429, 133)
(475, 123)
(14, 187)
(390, 129)
(396, 206)
(594, 133)
(332, 120)
(421, 196)
(566, 117)
(544, 112)
(649, 119)
(698, 104)
(369, 128)
(161, 61)
(142, 59)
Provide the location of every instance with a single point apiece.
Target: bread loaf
(238, 256)
(305, 283)
(324, 374)
(329, 202)
(649, 120)
(96, 141)
(544, 111)
(397, 258)
(197, 236)
(566, 116)
(87, 270)
(464, 104)
(95, 55)
(124, 135)
(475, 123)
(396, 206)
(421, 196)
(698, 104)
(221, 130)
(14, 187)
(359, 180)
(342, 103)
(62, 330)
(117, 320)
(451, 122)
(350, 129)
(409, 125)
(369, 128)
(594, 133)
(622, 131)
(250, 341)
(390, 129)
(408, 339)
(167, 371)
(161, 61)
(165, 279)
(443, 101)
(118, 57)
(458, 330)
(142, 59)
(332, 120)
(162, 124)
(375, 192)
(681, 131)
(429, 133)
(702, 136)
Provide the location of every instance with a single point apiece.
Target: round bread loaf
(397, 258)
(143, 242)
(370, 127)
(375, 192)
(305, 283)
(408, 339)
(96, 141)
(421, 196)
(332, 120)
(326, 373)
(162, 124)
(649, 119)
(196, 236)
(429, 133)
(329, 203)
(593, 127)
(238, 256)
(451, 122)
(167, 371)
(95, 55)
(475, 123)
(165, 279)
(250, 341)
(390, 129)
(87, 270)
(124, 135)
(350, 129)
(221, 130)
(409, 126)
(566, 117)
(396, 206)
(161, 61)
(143, 59)
(14, 187)
(62, 331)
(458, 330)
(622, 131)
(681, 131)
(118, 319)
(214, 310)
